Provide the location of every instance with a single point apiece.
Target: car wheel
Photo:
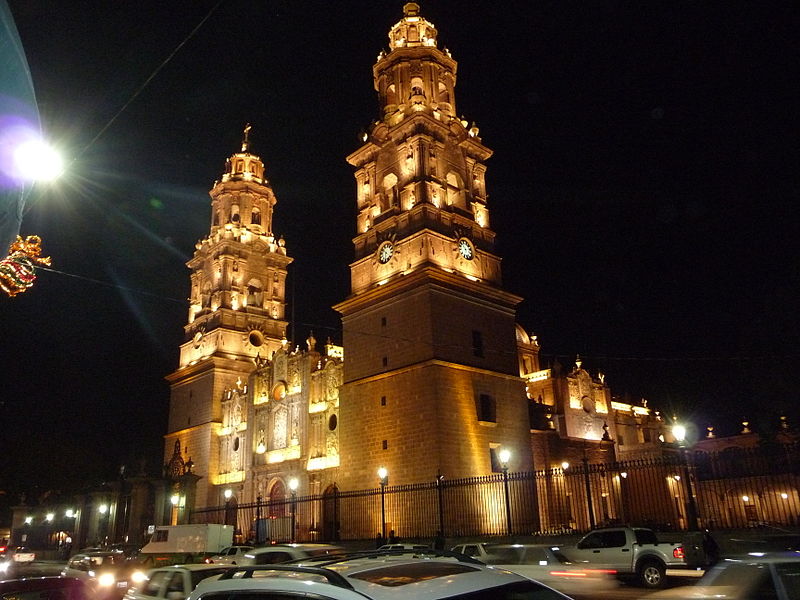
(652, 574)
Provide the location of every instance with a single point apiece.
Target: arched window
(255, 218)
(235, 213)
(391, 194)
(454, 195)
(255, 293)
(391, 95)
(444, 95)
(417, 87)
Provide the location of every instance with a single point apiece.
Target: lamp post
(504, 456)
(439, 484)
(679, 432)
(383, 477)
(259, 524)
(293, 483)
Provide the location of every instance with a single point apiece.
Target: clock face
(465, 249)
(385, 252)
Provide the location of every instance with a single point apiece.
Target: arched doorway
(277, 500)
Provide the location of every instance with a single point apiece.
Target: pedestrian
(379, 540)
(438, 542)
(393, 539)
(710, 549)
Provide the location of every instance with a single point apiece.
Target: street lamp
(293, 483)
(439, 484)
(383, 477)
(679, 433)
(504, 456)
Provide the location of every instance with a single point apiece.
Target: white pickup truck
(633, 552)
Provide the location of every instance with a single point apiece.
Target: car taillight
(678, 552)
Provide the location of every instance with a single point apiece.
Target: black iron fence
(678, 491)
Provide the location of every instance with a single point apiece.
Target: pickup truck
(633, 552)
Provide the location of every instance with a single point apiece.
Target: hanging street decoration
(17, 270)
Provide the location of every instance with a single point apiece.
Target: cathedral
(434, 374)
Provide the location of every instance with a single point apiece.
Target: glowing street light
(228, 493)
(35, 160)
(679, 433)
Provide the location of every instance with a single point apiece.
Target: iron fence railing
(678, 491)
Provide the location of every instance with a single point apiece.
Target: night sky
(643, 191)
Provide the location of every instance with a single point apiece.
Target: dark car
(46, 588)
(110, 573)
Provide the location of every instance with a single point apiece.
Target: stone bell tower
(237, 310)
(431, 380)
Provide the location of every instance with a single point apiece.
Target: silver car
(231, 555)
(376, 576)
(755, 576)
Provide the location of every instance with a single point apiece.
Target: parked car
(110, 572)
(375, 576)
(758, 576)
(280, 553)
(633, 552)
(21, 554)
(46, 588)
(548, 565)
(474, 550)
(172, 583)
(229, 556)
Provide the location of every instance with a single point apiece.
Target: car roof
(190, 567)
(374, 574)
(40, 583)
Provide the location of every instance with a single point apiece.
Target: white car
(172, 583)
(21, 554)
(376, 576)
(546, 564)
(758, 575)
(229, 556)
(281, 553)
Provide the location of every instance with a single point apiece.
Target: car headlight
(138, 577)
(3, 567)
(107, 579)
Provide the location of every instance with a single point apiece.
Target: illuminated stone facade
(438, 377)
(430, 374)
(236, 315)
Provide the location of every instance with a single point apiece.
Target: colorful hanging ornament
(17, 270)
